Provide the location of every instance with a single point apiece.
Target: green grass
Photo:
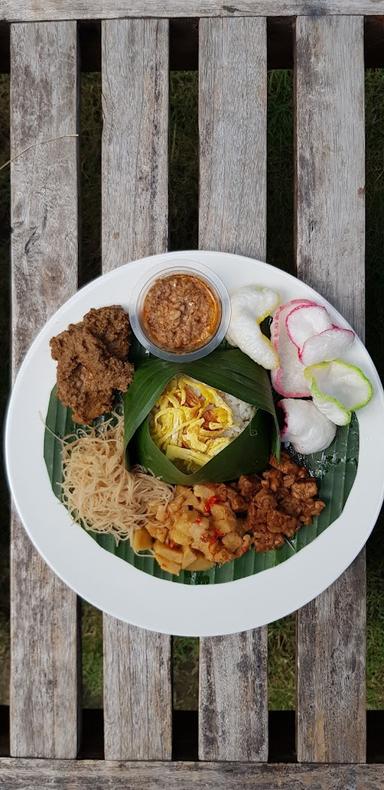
(185, 664)
(183, 161)
(90, 176)
(374, 332)
(183, 234)
(280, 217)
(92, 656)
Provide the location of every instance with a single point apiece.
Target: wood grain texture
(233, 705)
(137, 692)
(330, 256)
(44, 246)
(135, 140)
(137, 664)
(100, 775)
(232, 116)
(36, 10)
(330, 174)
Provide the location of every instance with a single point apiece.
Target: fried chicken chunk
(92, 362)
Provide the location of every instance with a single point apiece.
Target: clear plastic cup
(216, 286)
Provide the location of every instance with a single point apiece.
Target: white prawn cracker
(316, 338)
(305, 427)
(288, 379)
(327, 345)
(250, 305)
(338, 388)
(305, 321)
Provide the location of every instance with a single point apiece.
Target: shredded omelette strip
(189, 421)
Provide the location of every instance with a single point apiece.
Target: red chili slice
(209, 503)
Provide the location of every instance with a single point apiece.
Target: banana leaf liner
(228, 370)
(334, 468)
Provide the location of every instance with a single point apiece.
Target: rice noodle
(99, 491)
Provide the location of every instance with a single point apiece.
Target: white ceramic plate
(114, 585)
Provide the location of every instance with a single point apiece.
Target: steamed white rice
(242, 414)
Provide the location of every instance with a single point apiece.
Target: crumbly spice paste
(180, 313)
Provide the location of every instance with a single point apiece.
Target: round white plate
(115, 586)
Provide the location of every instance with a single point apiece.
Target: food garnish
(92, 358)
(192, 422)
(338, 388)
(305, 427)
(180, 313)
(250, 305)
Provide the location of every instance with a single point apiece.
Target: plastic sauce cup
(215, 285)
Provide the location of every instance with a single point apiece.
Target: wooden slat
(100, 775)
(233, 705)
(330, 256)
(137, 672)
(35, 10)
(232, 114)
(137, 693)
(44, 273)
(183, 48)
(135, 145)
(233, 104)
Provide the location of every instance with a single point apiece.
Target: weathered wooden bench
(329, 169)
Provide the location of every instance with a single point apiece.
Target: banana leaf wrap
(230, 371)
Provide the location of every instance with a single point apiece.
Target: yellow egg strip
(179, 423)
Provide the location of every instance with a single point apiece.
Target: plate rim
(196, 596)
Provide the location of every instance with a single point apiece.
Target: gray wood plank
(330, 256)
(36, 10)
(43, 691)
(137, 671)
(232, 116)
(233, 704)
(232, 107)
(102, 775)
(135, 149)
(137, 693)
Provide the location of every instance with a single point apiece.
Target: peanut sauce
(180, 313)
